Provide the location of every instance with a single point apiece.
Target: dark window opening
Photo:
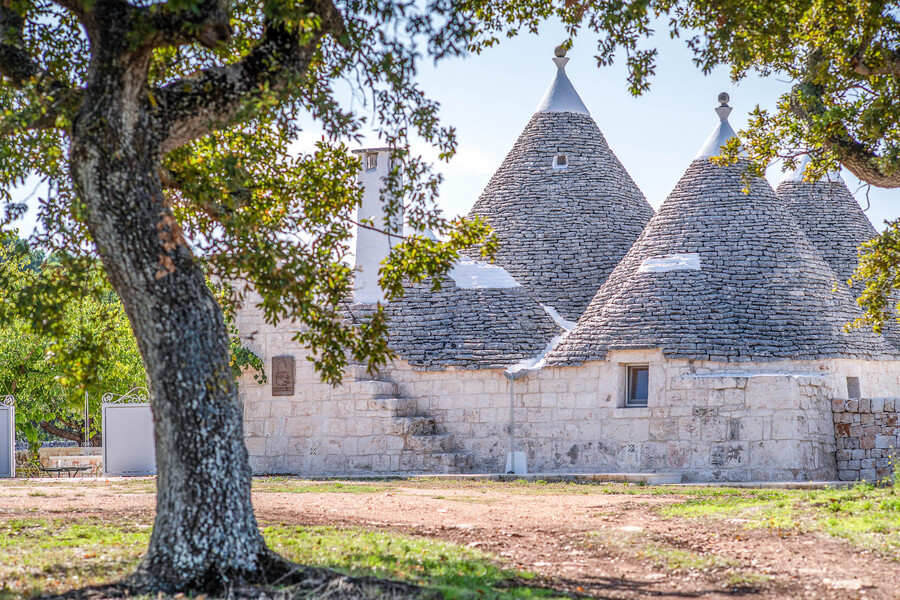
(853, 390)
(371, 161)
(561, 161)
(638, 386)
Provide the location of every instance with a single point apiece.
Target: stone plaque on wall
(282, 375)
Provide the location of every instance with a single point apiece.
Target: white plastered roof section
(670, 262)
(721, 134)
(797, 174)
(474, 274)
(561, 95)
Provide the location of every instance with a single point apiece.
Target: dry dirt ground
(593, 544)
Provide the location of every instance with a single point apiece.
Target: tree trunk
(205, 536)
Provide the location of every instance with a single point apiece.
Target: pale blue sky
(490, 97)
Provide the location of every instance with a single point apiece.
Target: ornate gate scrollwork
(138, 395)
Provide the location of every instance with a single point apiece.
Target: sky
(489, 99)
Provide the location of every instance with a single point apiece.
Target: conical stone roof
(481, 318)
(829, 215)
(833, 221)
(720, 274)
(562, 229)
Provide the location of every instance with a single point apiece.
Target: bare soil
(595, 544)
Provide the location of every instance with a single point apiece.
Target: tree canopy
(76, 345)
(166, 132)
(55, 354)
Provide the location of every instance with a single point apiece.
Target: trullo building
(709, 345)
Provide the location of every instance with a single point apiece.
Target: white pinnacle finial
(561, 96)
(722, 133)
(723, 110)
(799, 174)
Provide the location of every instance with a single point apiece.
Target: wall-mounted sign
(282, 375)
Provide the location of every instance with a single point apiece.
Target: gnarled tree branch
(206, 22)
(213, 97)
(858, 158)
(888, 63)
(20, 69)
(73, 433)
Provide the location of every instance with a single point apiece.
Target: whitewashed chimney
(372, 246)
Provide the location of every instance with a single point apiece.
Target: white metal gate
(128, 444)
(7, 436)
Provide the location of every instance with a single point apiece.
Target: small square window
(371, 161)
(638, 386)
(853, 390)
(560, 161)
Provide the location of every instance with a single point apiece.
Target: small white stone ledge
(670, 262)
(748, 374)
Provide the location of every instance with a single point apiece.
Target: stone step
(442, 462)
(373, 387)
(410, 426)
(357, 371)
(430, 444)
(400, 407)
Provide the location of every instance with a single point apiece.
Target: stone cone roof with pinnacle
(562, 230)
(835, 224)
(720, 274)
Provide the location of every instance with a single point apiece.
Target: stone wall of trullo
(867, 432)
(705, 420)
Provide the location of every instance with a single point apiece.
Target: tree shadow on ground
(303, 582)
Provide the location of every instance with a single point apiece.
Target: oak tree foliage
(68, 345)
(841, 59)
(167, 134)
(64, 347)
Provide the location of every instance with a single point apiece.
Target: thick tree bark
(205, 535)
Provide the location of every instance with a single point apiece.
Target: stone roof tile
(562, 230)
(467, 328)
(762, 292)
(835, 224)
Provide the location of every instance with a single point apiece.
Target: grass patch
(40, 555)
(45, 556)
(289, 485)
(451, 570)
(866, 516)
(747, 580)
(657, 550)
(679, 560)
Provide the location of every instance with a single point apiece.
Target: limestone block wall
(867, 432)
(701, 420)
(706, 420)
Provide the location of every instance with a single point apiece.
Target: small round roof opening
(561, 161)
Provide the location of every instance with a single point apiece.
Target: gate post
(7, 436)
